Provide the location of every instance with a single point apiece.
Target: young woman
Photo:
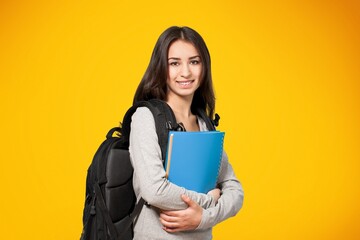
(179, 73)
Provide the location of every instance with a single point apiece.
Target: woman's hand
(215, 193)
(182, 220)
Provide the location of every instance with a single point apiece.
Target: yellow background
(287, 83)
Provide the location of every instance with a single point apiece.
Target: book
(193, 159)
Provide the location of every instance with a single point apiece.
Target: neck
(182, 109)
(180, 106)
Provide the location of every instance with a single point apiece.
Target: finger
(168, 218)
(171, 213)
(187, 200)
(172, 230)
(166, 224)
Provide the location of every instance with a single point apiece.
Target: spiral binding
(221, 154)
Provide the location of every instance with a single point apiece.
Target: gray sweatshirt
(150, 183)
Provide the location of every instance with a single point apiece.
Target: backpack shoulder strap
(210, 124)
(164, 121)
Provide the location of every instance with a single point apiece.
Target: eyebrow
(176, 58)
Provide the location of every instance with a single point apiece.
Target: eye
(175, 63)
(194, 62)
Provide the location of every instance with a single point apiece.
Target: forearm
(230, 201)
(167, 196)
(228, 206)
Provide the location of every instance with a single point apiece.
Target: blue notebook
(193, 159)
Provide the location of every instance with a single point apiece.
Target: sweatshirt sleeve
(149, 174)
(230, 201)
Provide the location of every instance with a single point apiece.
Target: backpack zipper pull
(92, 211)
(168, 125)
(93, 208)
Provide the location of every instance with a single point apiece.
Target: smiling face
(184, 70)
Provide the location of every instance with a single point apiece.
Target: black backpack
(110, 202)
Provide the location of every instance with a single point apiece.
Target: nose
(185, 71)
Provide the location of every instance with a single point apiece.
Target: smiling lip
(185, 83)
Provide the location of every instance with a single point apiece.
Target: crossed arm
(187, 219)
(181, 209)
(229, 199)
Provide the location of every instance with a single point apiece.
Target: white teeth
(185, 83)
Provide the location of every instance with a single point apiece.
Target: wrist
(203, 225)
(213, 200)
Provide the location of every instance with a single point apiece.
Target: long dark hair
(153, 83)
